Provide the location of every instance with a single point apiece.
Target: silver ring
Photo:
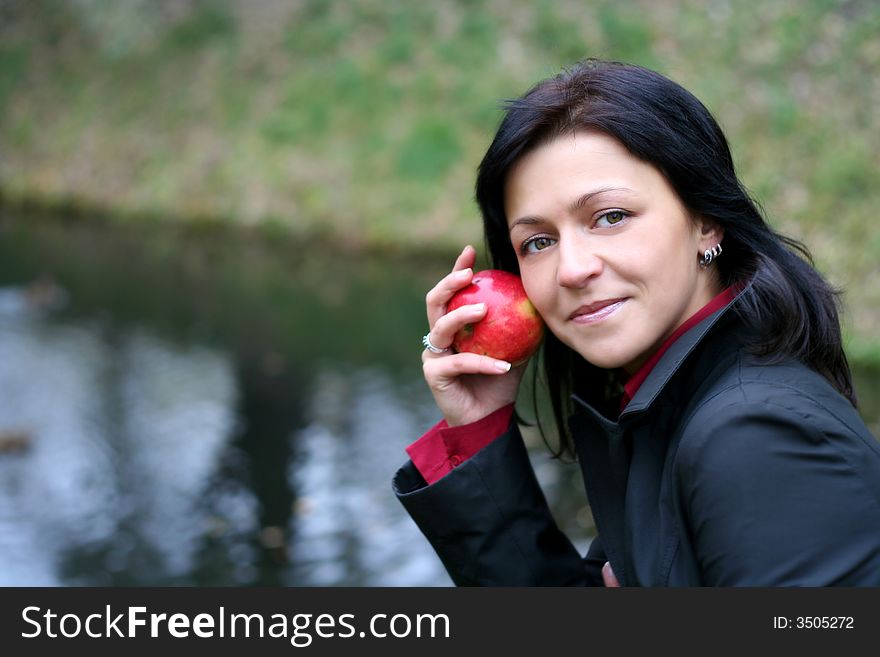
(426, 340)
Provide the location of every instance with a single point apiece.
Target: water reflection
(124, 432)
(59, 489)
(175, 416)
(150, 462)
(344, 530)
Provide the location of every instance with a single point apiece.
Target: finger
(440, 294)
(466, 258)
(443, 332)
(441, 372)
(459, 277)
(608, 576)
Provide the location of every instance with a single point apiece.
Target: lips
(596, 311)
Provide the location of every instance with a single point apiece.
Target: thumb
(608, 576)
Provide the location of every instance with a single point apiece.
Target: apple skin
(511, 330)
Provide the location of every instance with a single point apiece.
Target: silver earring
(710, 254)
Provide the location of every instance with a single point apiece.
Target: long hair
(790, 309)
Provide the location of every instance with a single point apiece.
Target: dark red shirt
(443, 447)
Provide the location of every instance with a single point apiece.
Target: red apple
(511, 330)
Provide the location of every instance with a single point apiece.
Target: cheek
(668, 265)
(537, 287)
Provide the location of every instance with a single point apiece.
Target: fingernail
(479, 307)
(463, 273)
(502, 366)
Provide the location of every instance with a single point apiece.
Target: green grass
(366, 119)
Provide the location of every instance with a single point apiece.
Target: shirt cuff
(442, 447)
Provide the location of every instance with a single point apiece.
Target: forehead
(574, 164)
(579, 152)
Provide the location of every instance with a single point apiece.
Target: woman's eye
(611, 218)
(537, 244)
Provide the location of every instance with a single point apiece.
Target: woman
(693, 360)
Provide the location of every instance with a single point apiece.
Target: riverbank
(360, 124)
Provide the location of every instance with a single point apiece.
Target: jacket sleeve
(775, 499)
(489, 522)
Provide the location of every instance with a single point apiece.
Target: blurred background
(218, 221)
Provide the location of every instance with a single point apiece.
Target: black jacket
(721, 471)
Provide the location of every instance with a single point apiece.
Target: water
(185, 409)
(149, 462)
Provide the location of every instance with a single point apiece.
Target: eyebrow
(574, 207)
(582, 201)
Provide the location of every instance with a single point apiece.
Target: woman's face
(607, 252)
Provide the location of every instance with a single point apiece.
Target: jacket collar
(663, 371)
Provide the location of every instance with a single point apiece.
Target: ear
(711, 233)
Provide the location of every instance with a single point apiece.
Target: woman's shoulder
(753, 382)
(768, 404)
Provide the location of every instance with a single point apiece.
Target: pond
(182, 408)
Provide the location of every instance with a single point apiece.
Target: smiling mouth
(596, 312)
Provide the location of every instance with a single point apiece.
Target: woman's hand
(608, 576)
(465, 386)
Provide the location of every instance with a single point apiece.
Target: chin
(604, 359)
(611, 351)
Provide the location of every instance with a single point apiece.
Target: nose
(578, 262)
